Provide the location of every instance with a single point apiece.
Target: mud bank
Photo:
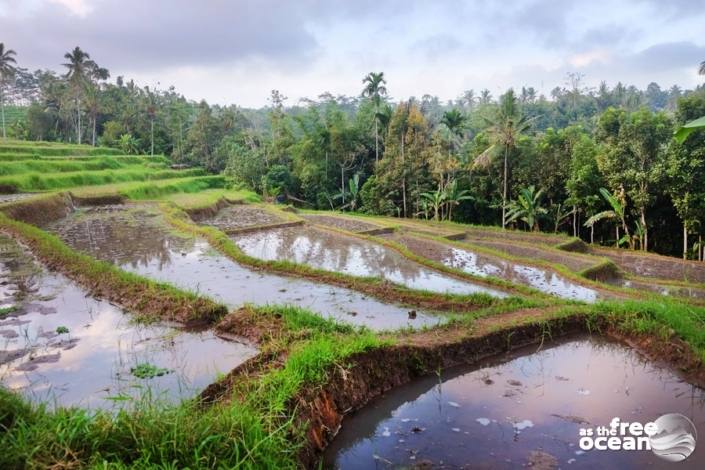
(369, 375)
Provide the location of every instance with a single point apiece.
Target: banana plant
(436, 200)
(454, 196)
(618, 212)
(688, 128)
(352, 194)
(527, 208)
(560, 216)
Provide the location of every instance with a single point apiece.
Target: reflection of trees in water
(337, 253)
(122, 237)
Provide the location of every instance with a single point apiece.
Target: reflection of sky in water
(580, 380)
(545, 281)
(92, 362)
(147, 248)
(214, 275)
(334, 252)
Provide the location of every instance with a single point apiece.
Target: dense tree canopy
(605, 156)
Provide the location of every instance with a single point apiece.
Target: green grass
(53, 148)
(660, 317)
(53, 181)
(66, 165)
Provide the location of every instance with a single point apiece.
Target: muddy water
(7, 198)
(136, 238)
(543, 280)
(334, 252)
(523, 409)
(63, 347)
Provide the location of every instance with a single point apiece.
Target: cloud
(161, 33)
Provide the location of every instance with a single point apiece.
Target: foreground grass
(255, 429)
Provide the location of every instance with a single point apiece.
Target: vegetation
(469, 159)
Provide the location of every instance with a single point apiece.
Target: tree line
(601, 164)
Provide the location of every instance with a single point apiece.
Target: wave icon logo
(675, 439)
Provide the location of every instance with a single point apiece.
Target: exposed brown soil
(654, 266)
(108, 199)
(40, 210)
(516, 235)
(232, 217)
(256, 228)
(200, 213)
(343, 223)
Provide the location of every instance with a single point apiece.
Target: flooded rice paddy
(519, 410)
(481, 265)
(334, 252)
(136, 238)
(59, 345)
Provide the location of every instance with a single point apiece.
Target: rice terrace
(356, 280)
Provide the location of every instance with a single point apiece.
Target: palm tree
(454, 121)
(618, 211)
(527, 208)
(701, 70)
(7, 70)
(374, 88)
(80, 71)
(505, 129)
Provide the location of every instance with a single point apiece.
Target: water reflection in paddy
(517, 409)
(334, 252)
(136, 238)
(545, 281)
(61, 346)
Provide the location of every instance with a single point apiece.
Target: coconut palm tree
(504, 129)
(81, 70)
(701, 70)
(374, 88)
(7, 70)
(527, 208)
(454, 121)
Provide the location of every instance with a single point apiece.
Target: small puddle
(64, 347)
(136, 238)
(518, 410)
(334, 252)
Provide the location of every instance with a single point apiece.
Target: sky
(237, 51)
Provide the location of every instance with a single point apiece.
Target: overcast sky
(236, 51)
